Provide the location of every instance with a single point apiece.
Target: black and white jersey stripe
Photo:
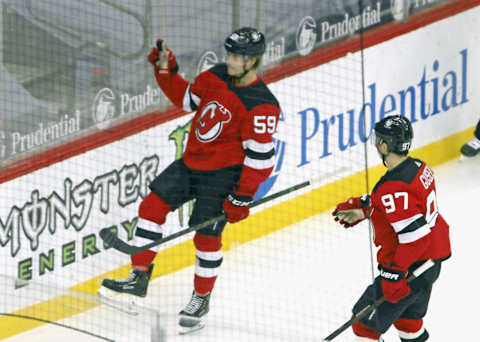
(411, 335)
(411, 229)
(208, 263)
(147, 232)
(190, 100)
(259, 155)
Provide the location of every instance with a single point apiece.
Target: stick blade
(115, 242)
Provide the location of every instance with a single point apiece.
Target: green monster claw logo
(179, 136)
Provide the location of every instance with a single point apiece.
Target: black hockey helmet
(396, 131)
(246, 41)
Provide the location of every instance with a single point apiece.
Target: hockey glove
(158, 55)
(236, 207)
(350, 217)
(394, 283)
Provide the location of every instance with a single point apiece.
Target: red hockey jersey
(404, 213)
(232, 124)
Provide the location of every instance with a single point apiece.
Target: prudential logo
(206, 61)
(399, 9)
(306, 35)
(268, 184)
(103, 109)
(435, 91)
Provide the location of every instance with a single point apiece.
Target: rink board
(441, 81)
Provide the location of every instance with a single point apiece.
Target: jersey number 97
(432, 208)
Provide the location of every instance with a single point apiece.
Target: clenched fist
(162, 57)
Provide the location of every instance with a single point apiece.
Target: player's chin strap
(384, 156)
(245, 70)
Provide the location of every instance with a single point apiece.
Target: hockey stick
(115, 242)
(368, 309)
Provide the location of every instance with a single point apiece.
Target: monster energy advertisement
(30, 226)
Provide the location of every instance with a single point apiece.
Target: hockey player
(408, 230)
(472, 148)
(229, 153)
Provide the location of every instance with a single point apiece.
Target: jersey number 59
(263, 123)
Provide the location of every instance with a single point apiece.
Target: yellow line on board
(256, 226)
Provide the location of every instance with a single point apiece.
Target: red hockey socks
(152, 214)
(411, 330)
(363, 331)
(209, 258)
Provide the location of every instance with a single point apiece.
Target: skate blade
(188, 325)
(105, 296)
(189, 330)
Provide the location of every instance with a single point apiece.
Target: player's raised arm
(175, 87)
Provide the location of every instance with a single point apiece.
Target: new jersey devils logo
(211, 121)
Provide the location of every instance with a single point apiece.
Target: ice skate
(471, 148)
(192, 317)
(135, 284)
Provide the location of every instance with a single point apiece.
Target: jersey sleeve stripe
(258, 147)
(190, 100)
(410, 223)
(260, 155)
(259, 164)
(414, 235)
